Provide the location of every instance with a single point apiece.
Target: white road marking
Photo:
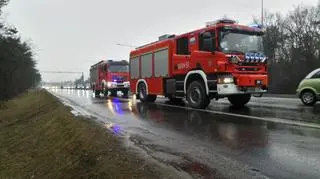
(275, 120)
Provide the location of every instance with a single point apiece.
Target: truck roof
(111, 62)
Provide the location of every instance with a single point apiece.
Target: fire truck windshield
(118, 68)
(240, 42)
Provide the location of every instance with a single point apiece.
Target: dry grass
(40, 138)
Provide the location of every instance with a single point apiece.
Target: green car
(309, 88)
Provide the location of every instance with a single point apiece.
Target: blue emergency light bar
(259, 26)
(221, 21)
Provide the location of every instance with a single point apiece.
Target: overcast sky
(70, 35)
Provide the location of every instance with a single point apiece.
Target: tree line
(17, 64)
(292, 42)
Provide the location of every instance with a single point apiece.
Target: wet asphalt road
(219, 141)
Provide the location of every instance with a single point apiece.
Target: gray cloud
(71, 35)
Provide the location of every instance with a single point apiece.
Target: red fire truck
(110, 76)
(223, 59)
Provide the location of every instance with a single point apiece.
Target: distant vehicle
(110, 76)
(80, 87)
(87, 86)
(61, 87)
(223, 59)
(309, 88)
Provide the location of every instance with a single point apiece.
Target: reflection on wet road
(207, 144)
(271, 107)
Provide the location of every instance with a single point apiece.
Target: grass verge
(40, 138)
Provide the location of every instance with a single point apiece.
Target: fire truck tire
(196, 95)
(239, 100)
(142, 92)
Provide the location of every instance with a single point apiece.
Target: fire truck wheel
(196, 95)
(142, 92)
(239, 100)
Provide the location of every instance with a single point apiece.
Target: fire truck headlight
(127, 84)
(226, 80)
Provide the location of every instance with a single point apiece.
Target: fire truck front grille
(247, 64)
(118, 79)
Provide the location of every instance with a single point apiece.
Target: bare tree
(292, 42)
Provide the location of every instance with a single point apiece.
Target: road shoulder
(41, 138)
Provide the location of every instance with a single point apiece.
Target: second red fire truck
(110, 76)
(224, 59)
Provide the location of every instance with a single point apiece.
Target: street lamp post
(262, 12)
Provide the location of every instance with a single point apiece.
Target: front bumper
(118, 89)
(118, 86)
(250, 80)
(242, 84)
(232, 89)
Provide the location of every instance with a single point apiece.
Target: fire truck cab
(224, 59)
(110, 76)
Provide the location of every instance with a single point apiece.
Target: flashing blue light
(116, 129)
(257, 56)
(118, 109)
(117, 106)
